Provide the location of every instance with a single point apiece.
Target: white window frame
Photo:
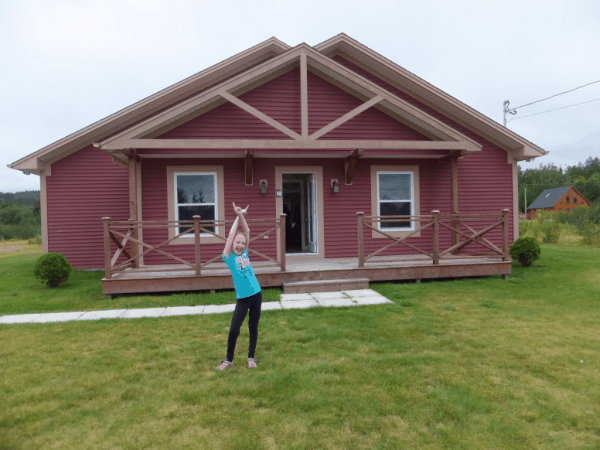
(415, 197)
(177, 204)
(172, 205)
(412, 200)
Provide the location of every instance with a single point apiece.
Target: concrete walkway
(288, 301)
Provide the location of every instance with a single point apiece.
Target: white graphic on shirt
(243, 264)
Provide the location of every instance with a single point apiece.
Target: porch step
(301, 287)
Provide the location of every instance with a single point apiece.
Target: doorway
(299, 198)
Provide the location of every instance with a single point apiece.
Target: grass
(21, 293)
(466, 364)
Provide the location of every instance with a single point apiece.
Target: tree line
(585, 177)
(20, 215)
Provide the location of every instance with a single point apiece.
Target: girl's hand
(239, 210)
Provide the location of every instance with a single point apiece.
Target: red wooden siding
(340, 208)
(484, 178)
(84, 187)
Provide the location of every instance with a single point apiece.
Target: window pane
(195, 189)
(394, 186)
(188, 213)
(394, 209)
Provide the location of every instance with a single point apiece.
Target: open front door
(313, 218)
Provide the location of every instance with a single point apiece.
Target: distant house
(557, 199)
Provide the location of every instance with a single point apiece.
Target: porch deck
(169, 278)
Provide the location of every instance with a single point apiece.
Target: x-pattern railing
(124, 233)
(452, 222)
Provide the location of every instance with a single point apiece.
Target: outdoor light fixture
(263, 186)
(335, 185)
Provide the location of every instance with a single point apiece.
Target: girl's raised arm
(231, 237)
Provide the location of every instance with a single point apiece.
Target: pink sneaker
(252, 363)
(225, 364)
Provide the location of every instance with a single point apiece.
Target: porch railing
(125, 235)
(457, 225)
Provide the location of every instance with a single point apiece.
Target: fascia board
(432, 96)
(120, 140)
(149, 105)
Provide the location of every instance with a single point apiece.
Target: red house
(380, 174)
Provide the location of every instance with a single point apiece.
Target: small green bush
(35, 240)
(526, 250)
(52, 269)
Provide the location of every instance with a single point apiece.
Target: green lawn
(466, 364)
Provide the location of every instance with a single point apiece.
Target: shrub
(52, 269)
(526, 250)
(19, 231)
(591, 233)
(549, 226)
(35, 240)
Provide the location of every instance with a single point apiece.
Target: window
(568, 199)
(395, 198)
(568, 209)
(195, 190)
(196, 195)
(574, 198)
(395, 192)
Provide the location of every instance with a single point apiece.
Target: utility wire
(550, 110)
(556, 95)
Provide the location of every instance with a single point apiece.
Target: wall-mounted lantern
(335, 185)
(278, 193)
(263, 186)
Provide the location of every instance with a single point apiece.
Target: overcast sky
(65, 64)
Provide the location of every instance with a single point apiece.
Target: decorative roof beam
(345, 118)
(256, 113)
(293, 144)
(248, 166)
(350, 164)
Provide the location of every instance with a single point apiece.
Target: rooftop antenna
(508, 110)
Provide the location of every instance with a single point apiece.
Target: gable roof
(519, 147)
(144, 134)
(549, 197)
(39, 160)
(260, 55)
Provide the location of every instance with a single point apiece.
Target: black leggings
(252, 303)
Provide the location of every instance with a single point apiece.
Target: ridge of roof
(114, 118)
(342, 38)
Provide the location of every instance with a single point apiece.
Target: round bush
(526, 250)
(52, 269)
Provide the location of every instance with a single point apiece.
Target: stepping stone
(218, 309)
(298, 304)
(268, 306)
(183, 310)
(361, 293)
(328, 295)
(374, 300)
(95, 315)
(146, 312)
(295, 297)
(19, 318)
(336, 302)
(59, 317)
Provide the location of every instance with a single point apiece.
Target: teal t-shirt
(244, 280)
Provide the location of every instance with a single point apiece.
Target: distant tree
(181, 196)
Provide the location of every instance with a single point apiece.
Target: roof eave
(147, 106)
(424, 91)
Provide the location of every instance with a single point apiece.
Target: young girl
(247, 290)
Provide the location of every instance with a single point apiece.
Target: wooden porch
(131, 277)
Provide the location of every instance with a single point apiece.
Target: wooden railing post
(436, 237)
(107, 257)
(197, 242)
(282, 241)
(133, 247)
(361, 240)
(505, 248)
